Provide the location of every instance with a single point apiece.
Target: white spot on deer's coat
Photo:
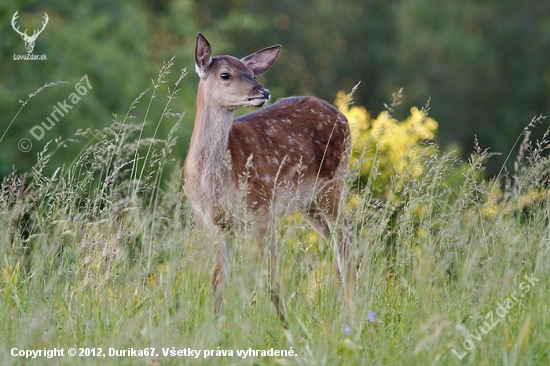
(268, 179)
(272, 160)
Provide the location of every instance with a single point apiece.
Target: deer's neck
(208, 145)
(205, 170)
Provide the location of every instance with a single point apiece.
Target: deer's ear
(203, 55)
(259, 62)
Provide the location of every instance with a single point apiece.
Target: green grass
(104, 253)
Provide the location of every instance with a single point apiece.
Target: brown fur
(313, 148)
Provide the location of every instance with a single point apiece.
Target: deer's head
(229, 81)
(29, 40)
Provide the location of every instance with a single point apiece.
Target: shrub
(384, 147)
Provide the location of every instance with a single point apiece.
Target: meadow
(104, 256)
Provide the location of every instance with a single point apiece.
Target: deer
(292, 155)
(29, 40)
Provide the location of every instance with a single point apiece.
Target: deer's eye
(225, 76)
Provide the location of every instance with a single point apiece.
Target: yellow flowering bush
(384, 147)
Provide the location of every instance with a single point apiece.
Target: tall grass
(103, 253)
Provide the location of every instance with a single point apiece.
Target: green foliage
(115, 44)
(472, 58)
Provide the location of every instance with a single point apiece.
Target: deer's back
(297, 143)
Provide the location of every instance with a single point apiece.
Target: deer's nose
(261, 96)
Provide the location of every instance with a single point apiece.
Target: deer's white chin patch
(257, 102)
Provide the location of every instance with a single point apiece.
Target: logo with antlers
(29, 40)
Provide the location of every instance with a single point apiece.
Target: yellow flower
(392, 146)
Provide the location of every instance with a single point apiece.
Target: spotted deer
(287, 156)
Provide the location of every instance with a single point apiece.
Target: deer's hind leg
(326, 216)
(265, 236)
